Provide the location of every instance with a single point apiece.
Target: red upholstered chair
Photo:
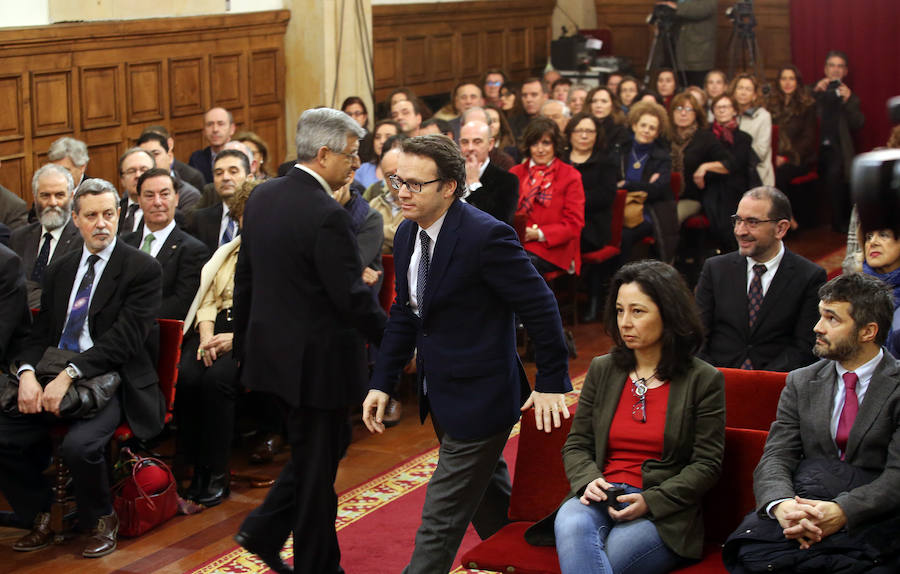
(774, 143)
(387, 293)
(751, 397)
(614, 248)
(540, 484)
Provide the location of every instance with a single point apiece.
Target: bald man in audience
(489, 188)
(180, 255)
(498, 157)
(407, 113)
(53, 235)
(158, 146)
(132, 165)
(213, 225)
(218, 127)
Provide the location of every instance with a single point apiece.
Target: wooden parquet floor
(186, 542)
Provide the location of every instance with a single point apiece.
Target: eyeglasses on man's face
(413, 186)
(750, 222)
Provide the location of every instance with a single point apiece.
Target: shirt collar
(160, 235)
(865, 371)
(56, 233)
(435, 228)
(325, 187)
(483, 167)
(773, 262)
(105, 254)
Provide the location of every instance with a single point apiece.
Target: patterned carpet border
(360, 501)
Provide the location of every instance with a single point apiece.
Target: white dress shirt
(159, 237)
(771, 269)
(864, 374)
(55, 234)
(138, 213)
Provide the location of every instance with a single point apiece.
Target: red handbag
(147, 498)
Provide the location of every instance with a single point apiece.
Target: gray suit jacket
(801, 430)
(13, 209)
(26, 242)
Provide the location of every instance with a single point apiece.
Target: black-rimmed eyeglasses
(413, 186)
(750, 222)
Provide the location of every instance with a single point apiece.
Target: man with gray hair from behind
(301, 317)
(71, 154)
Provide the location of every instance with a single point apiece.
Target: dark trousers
(303, 500)
(25, 453)
(803, 206)
(455, 492)
(831, 172)
(204, 404)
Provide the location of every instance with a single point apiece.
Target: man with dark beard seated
(53, 235)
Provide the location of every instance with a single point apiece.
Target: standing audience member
(460, 271)
(98, 315)
(368, 174)
(589, 153)
(180, 255)
(756, 121)
(743, 175)
(488, 187)
(825, 486)
(881, 248)
(645, 169)
(759, 303)
(651, 425)
(208, 383)
(696, 45)
(302, 340)
(54, 233)
(697, 154)
(839, 119)
(551, 198)
(218, 127)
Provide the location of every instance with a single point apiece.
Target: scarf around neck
(725, 132)
(540, 186)
(892, 278)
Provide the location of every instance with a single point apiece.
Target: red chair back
(170, 335)
(675, 184)
(775, 145)
(618, 218)
(386, 295)
(751, 397)
(519, 226)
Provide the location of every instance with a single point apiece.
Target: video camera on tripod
(742, 13)
(662, 16)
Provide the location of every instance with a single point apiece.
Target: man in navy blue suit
(461, 276)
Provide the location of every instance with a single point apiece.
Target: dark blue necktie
(42, 259)
(228, 235)
(78, 314)
(424, 264)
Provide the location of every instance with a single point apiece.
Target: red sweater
(631, 442)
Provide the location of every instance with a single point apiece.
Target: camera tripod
(742, 44)
(661, 48)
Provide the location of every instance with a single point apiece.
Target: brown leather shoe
(268, 447)
(393, 413)
(39, 537)
(102, 540)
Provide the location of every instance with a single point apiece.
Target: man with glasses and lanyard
(460, 276)
(759, 303)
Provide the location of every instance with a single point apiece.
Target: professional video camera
(875, 182)
(741, 12)
(662, 16)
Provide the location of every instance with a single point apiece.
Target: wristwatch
(72, 372)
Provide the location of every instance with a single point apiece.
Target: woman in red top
(650, 423)
(551, 197)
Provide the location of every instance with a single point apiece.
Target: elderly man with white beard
(53, 234)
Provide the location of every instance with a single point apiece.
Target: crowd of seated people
(551, 156)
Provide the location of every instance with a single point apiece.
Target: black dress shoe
(271, 556)
(218, 489)
(270, 445)
(199, 483)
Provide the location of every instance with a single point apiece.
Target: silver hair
(324, 127)
(134, 150)
(463, 117)
(565, 109)
(72, 148)
(240, 146)
(93, 186)
(55, 169)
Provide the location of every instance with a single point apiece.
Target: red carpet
(377, 520)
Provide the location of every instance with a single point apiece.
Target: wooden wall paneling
(264, 74)
(227, 78)
(415, 63)
(15, 175)
(100, 103)
(12, 118)
(517, 50)
(387, 63)
(105, 160)
(493, 50)
(186, 86)
(51, 97)
(540, 46)
(145, 89)
(471, 54)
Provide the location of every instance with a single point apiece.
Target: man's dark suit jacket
(498, 194)
(122, 322)
(465, 337)
(782, 338)
(181, 257)
(204, 224)
(201, 160)
(802, 429)
(300, 306)
(26, 242)
(15, 317)
(13, 209)
(188, 174)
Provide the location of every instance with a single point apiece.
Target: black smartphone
(610, 501)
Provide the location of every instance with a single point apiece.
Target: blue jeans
(588, 540)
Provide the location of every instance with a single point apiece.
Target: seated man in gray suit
(829, 475)
(53, 235)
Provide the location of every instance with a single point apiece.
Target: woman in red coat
(551, 197)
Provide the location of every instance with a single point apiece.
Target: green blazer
(693, 446)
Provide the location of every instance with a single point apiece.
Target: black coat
(599, 175)
(498, 194)
(201, 160)
(204, 224)
(26, 242)
(15, 317)
(723, 191)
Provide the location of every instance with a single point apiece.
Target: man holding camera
(696, 46)
(839, 116)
